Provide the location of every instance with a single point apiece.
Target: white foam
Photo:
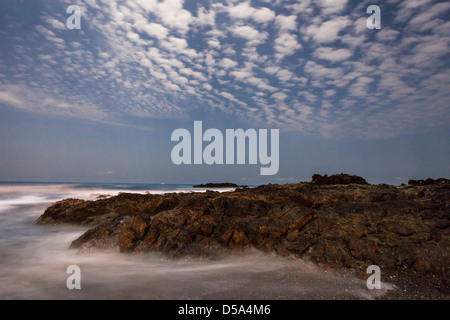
(6, 204)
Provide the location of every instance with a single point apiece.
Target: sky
(99, 103)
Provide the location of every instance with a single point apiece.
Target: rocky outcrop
(402, 229)
(341, 178)
(92, 212)
(217, 185)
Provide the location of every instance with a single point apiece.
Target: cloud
(11, 99)
(332, 6)
(286, 44)
(56, 24)
(328, 31)
(152, 29)
(286, 22)
(172, 14)
(285, 75)
(281, 96)
(272, 70)
(227, 63)
(412, 4)
(330, 54)
(205, 17)
(426, 20)
(175, 44)
(387, 34)
(245, 11)
(26, 99)
(327, 75)
(253, 36)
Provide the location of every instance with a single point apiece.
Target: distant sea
(34, 259)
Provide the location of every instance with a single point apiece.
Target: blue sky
(100, 103)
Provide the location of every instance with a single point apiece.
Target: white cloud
(412, 4)
(327, 31)
(56, 24)
(10, 99)
(387, 34)
(134, 37)
(359, 88)
(422, 21)
(172, 14)
(175, 44)
(285, 75)
(263, 15)
(286, 22)
(227, 63)
(281, 96)
(245, 11)
(253, 36)
(330, 54)
(152, 29)
(360, 25)
(286, 44)
(272, 70)
(241, 74)
(152, 56)
(205, 17)
(332, 6)
(319, 71)
(22, 97)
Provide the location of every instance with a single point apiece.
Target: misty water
(34, 260)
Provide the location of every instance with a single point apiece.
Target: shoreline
(403, 229)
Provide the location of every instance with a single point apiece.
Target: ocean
(34, 259)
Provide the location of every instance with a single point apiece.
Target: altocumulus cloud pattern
(308, 66)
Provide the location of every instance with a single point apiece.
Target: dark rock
(217, 185)
(341, 178)
(131, 232)
(428, 182)
(103, 236)
(341, 226)
(125, 204)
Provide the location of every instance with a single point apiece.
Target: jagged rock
(103, 236)
(131, 232)
(89, 212)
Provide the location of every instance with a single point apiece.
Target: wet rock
(63, 211)
(131, 232)
(339, 222)
(89, 212)
(103, 236)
